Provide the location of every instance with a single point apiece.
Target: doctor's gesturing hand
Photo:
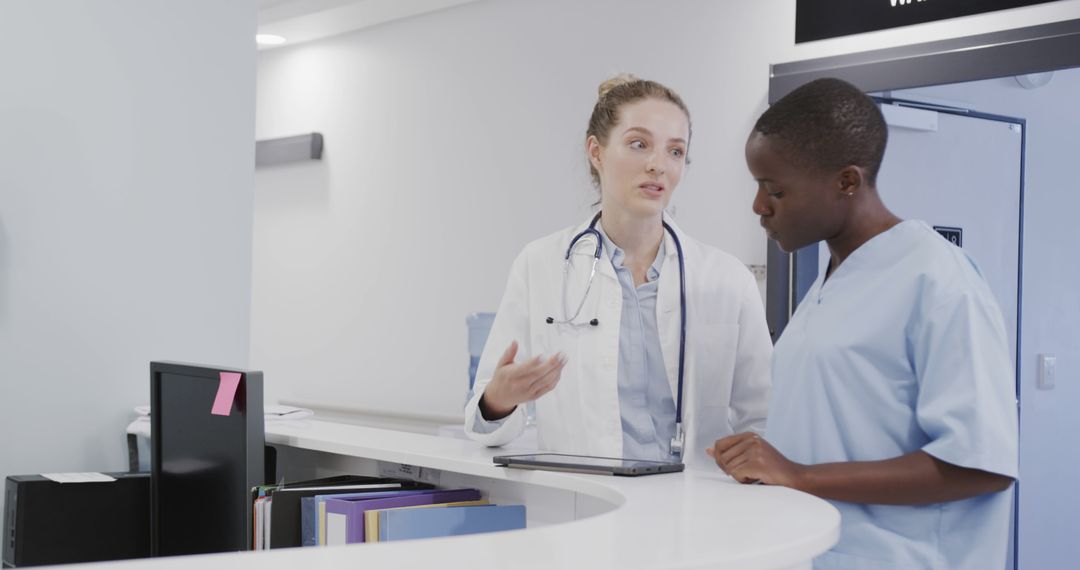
(517, 383)
(748, 458)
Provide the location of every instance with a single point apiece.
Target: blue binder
(309, 510)
(403, 524)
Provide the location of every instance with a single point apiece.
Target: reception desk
(678, 520)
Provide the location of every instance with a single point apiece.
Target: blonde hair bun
(620, 79)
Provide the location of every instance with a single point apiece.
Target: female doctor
(633, 339)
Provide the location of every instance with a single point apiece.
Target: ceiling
(264, 4)
(306, 20)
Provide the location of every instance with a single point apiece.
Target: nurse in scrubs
(893, 389)
(601, 354)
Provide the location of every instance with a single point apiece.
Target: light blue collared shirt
(646, 405)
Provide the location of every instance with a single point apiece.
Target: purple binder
(354, 509)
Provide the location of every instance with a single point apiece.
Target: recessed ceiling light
(269, 39)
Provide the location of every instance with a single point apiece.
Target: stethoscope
(679, 438)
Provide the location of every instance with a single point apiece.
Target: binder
(404, 524)
(313, 511)
(371, 518)
(345, 518)
(285, 529)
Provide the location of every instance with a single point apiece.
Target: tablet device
(588, 464)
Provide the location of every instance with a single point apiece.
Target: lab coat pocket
(563, 414)
(568, 340)
(711, 354)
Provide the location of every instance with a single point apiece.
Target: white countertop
(678, 520)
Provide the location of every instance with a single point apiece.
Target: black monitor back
(202, 465)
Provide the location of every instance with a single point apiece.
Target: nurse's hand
(748, 458)
(519, 382)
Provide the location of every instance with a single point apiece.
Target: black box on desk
(53, 523)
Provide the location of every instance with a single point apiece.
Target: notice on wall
(951, 234)
(820, 19)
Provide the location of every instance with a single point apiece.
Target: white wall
(454, 137)
(1049, 507)
(125, 213)
(476, 148)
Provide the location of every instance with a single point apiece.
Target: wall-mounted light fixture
(288, 149)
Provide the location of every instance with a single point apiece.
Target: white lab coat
(728, 350)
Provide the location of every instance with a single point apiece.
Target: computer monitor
(206, 455)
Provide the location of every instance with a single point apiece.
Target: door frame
(1047, 47)
(958, 111)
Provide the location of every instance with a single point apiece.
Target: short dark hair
(828, 124)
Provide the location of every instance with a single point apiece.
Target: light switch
(1047, 372)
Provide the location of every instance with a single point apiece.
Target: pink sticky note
(226, 391)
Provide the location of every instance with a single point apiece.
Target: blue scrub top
(902, 349)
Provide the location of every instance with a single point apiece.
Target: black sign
(820, 19)
(954, 235)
